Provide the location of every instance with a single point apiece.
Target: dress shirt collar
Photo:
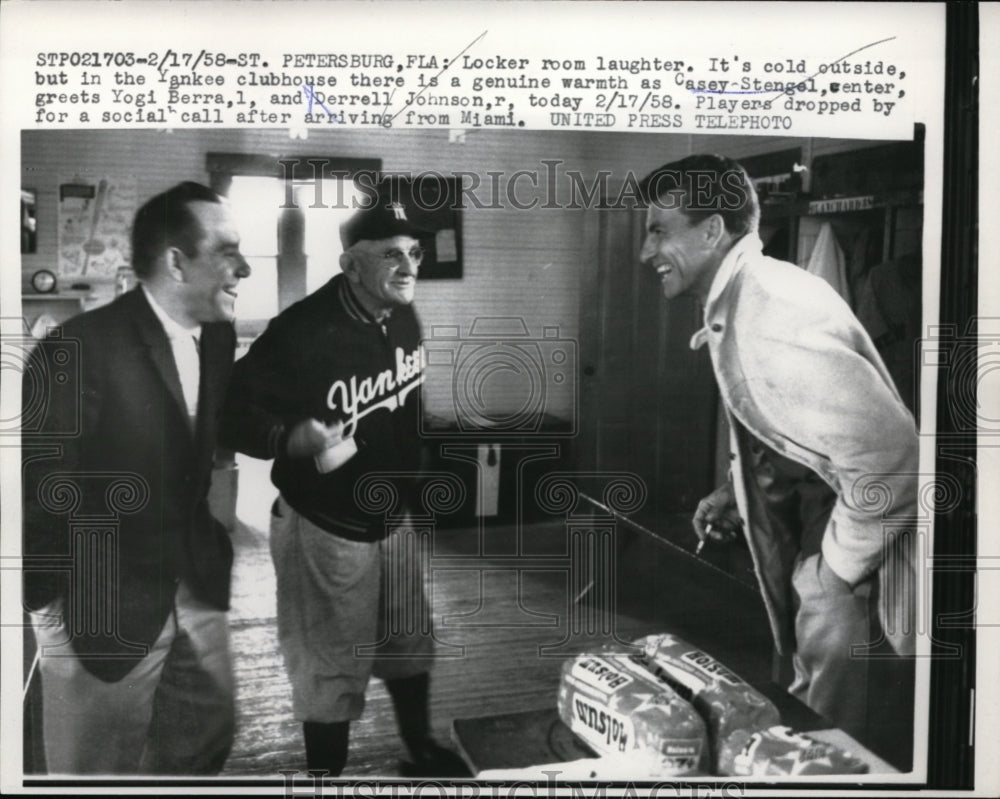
(173, 329)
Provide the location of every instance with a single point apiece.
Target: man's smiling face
(213, 273)
(680, 250)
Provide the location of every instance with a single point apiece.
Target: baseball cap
(387, 216)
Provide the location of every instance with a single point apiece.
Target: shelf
(57, 297)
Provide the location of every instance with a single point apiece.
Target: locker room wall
(517, 263)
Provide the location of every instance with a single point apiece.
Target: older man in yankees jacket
(329, 391)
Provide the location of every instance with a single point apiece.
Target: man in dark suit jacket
(126, 572)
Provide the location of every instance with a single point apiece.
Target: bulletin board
(435, 205)
(94, 218)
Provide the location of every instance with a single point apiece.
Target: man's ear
(715, 230)
(349, 266)
(173, 262)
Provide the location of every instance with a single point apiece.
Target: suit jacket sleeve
(61, 398)
(822, 384)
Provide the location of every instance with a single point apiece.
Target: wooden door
(648, 402)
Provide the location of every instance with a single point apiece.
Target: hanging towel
(828, 262)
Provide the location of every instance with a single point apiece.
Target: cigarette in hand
(701, 543)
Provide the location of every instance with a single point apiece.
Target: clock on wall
(43, 281)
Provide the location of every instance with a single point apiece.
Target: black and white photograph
(493, 417)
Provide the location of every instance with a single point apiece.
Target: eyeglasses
(395, 256)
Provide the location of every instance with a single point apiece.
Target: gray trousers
(868, 694)
(171, 714)
(346, 610)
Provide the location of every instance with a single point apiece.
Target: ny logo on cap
(399, 212)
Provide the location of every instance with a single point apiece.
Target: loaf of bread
(725, 701)
(779, 751)
(621, 710)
